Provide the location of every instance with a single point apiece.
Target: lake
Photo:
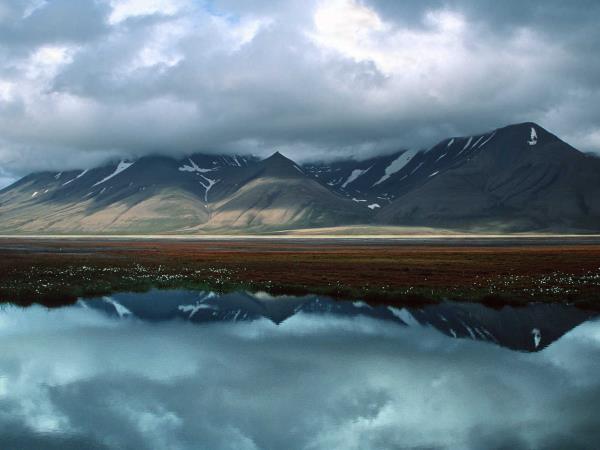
(200, 370)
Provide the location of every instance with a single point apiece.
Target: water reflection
(119, 373)
(525, 328)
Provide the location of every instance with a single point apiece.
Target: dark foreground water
(189, 370)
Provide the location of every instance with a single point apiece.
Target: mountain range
(517, 178)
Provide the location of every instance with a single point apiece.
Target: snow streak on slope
(397, 165)
(354, 175)
(466, 145)
(209, 184)
(77, 177)
(405, 316)
(120, 168)
(487, 140)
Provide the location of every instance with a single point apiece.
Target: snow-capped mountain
(526, 329)
(519, 177)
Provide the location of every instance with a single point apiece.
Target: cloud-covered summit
(88, 81)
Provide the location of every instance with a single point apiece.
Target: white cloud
(46, 61)
(313, 77)
(125, 9)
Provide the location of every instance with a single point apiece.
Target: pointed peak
(282, 165)
(277, 155)
(278, 158)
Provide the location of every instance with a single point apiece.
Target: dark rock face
(520, 177)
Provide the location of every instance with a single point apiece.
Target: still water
(197, 370)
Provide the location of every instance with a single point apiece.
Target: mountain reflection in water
(189, 370)
(528, 328)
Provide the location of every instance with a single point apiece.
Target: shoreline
(225, 237)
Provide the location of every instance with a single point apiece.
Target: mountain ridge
(515, 178)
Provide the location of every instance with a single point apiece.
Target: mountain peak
(281, 166)
(525, 126)
(277, 156)
(529, 132)
(279, 160)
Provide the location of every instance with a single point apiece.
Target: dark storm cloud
(80, 84)
(73, 378)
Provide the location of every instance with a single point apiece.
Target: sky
(85, 82)
(73, 378)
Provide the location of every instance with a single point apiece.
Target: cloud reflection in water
(74, 378)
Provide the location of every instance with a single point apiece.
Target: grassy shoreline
(54, 272)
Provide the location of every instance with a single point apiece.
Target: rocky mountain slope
(160, 194)
(519, 177)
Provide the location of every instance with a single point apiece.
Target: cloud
(75, 378)
(311, 78)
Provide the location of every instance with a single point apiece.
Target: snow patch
(354, 175)
(434, 173)
(533, 138)
(450, 143)
(58, 175)
(405, 316)
(193, 309)
(397, 165)
(193, 167)
(537, 337)
(470, 331)
(373, 206)
(361, 304)
(358, 200)
(440, 157)
(121, 310)
(120, 168)
(34, 194)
